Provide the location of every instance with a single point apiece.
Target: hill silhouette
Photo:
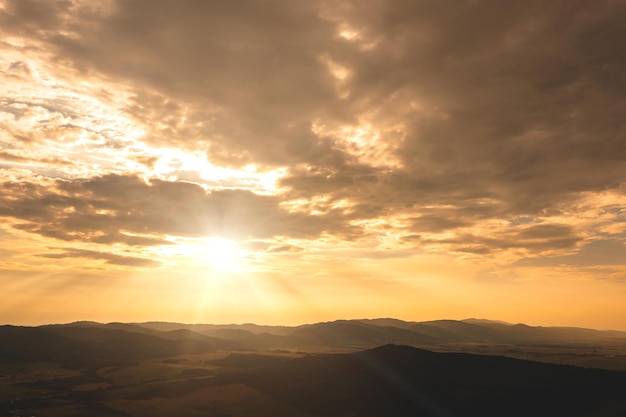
(361, 334)
(405, 381)
(353, 333)
(95, 345)
(80, 343)
(26, 344)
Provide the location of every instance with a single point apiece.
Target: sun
(225, 255)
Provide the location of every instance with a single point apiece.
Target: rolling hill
(403, 381)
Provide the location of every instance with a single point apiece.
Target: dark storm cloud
(528, 97)
(125, 209)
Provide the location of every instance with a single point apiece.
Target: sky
(288, 162)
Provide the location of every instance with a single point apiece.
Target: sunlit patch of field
(140, 374)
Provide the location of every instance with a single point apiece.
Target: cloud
(11, 157)
(110, 258)
(126, 209)
(248, 79)
(284, 248)
(434, 223)
(598, 253)
(537, 239)
(440, 125)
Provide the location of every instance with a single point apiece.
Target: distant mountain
(389, 322)
(402, 381)
(492, 331)
(485, 322)
(28, 344)
(374, 332)
(521, 332)
(100, 333)
(91, 344)
(210, 328)
(357, 334)
(364, 333)
(452, 331)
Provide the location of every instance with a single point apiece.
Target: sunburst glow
(286, 151)
(225, 255)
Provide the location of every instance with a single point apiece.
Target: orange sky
(290, 162)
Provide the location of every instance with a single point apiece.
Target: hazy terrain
(341, 368)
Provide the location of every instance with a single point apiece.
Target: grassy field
(608, 356)
(185, 386)
(207, 384)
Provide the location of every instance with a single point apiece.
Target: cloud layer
(484, 130)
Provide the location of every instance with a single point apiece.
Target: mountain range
(76, 344)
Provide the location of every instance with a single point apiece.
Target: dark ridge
(403, 381)
(89, 346)
(25, 344)
(354, 333)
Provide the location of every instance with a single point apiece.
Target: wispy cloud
(108, 257)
